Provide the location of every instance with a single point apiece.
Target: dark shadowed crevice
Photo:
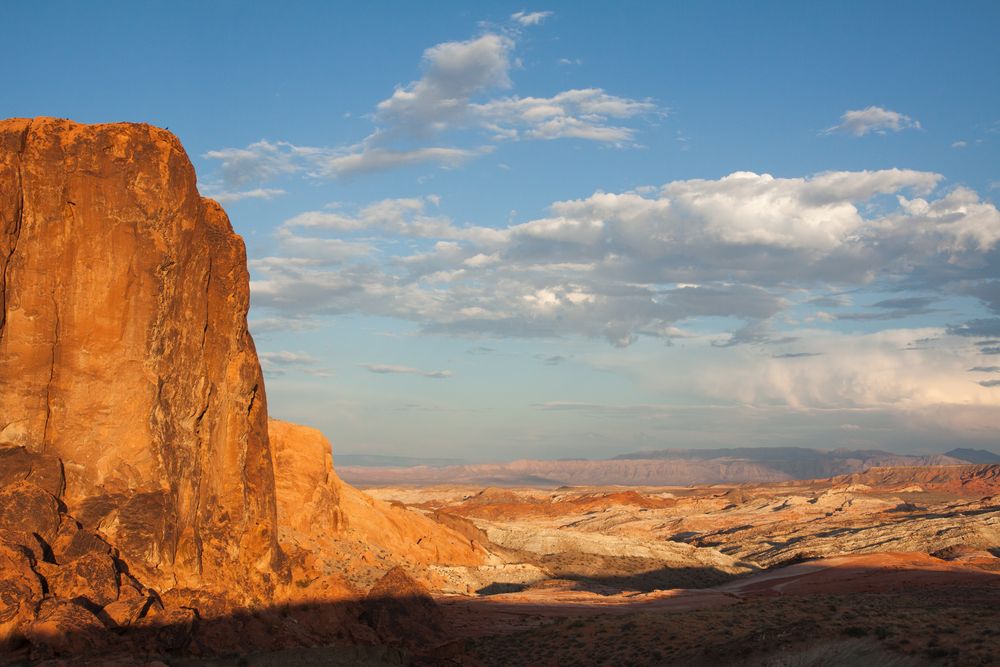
(15, 231)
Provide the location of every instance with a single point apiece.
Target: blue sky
(492, 231)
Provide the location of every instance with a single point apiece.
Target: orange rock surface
(307, 489)
(124, 350)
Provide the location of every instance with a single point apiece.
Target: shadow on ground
(953, 620)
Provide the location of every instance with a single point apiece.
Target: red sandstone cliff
(124, 350)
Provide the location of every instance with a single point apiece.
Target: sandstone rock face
(307, 490)
(339, 541)
(125, 355)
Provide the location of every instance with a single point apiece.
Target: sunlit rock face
(124, 351)
(307, 488)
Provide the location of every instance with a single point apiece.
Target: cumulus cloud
(875, 379)
(393, 369)
(854, 372)
(457, 91)
(453, 73)
(860, 122)
(623, 265)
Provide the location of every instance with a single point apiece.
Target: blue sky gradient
(492, 231)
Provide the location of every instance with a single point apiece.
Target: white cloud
(860, 122)
(259, 162)
(956, 223)
(959, 144)
(404, 216)
(875, 375)
(453, 73)
(319, 250)
(392, 369)
(264, 161)
(622, 265)
(380, 159)
(578, 114)
(813, 215)
(224, 197)
(286, 358)
(854, 371)
(529, 18)
(451, 95)
(282, 362)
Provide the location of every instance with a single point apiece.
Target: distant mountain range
(380, 461)
(974, 455)
(667, 467)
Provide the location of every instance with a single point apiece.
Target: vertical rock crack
(15, 232)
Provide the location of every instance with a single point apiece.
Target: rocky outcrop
(307, 490)
(125, 355)
(339, 541)
(62, 585)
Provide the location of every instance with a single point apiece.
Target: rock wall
(124, 351)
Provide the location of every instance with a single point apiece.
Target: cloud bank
(641, 263)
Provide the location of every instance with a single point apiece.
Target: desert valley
(461, 334)
(152, 514)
